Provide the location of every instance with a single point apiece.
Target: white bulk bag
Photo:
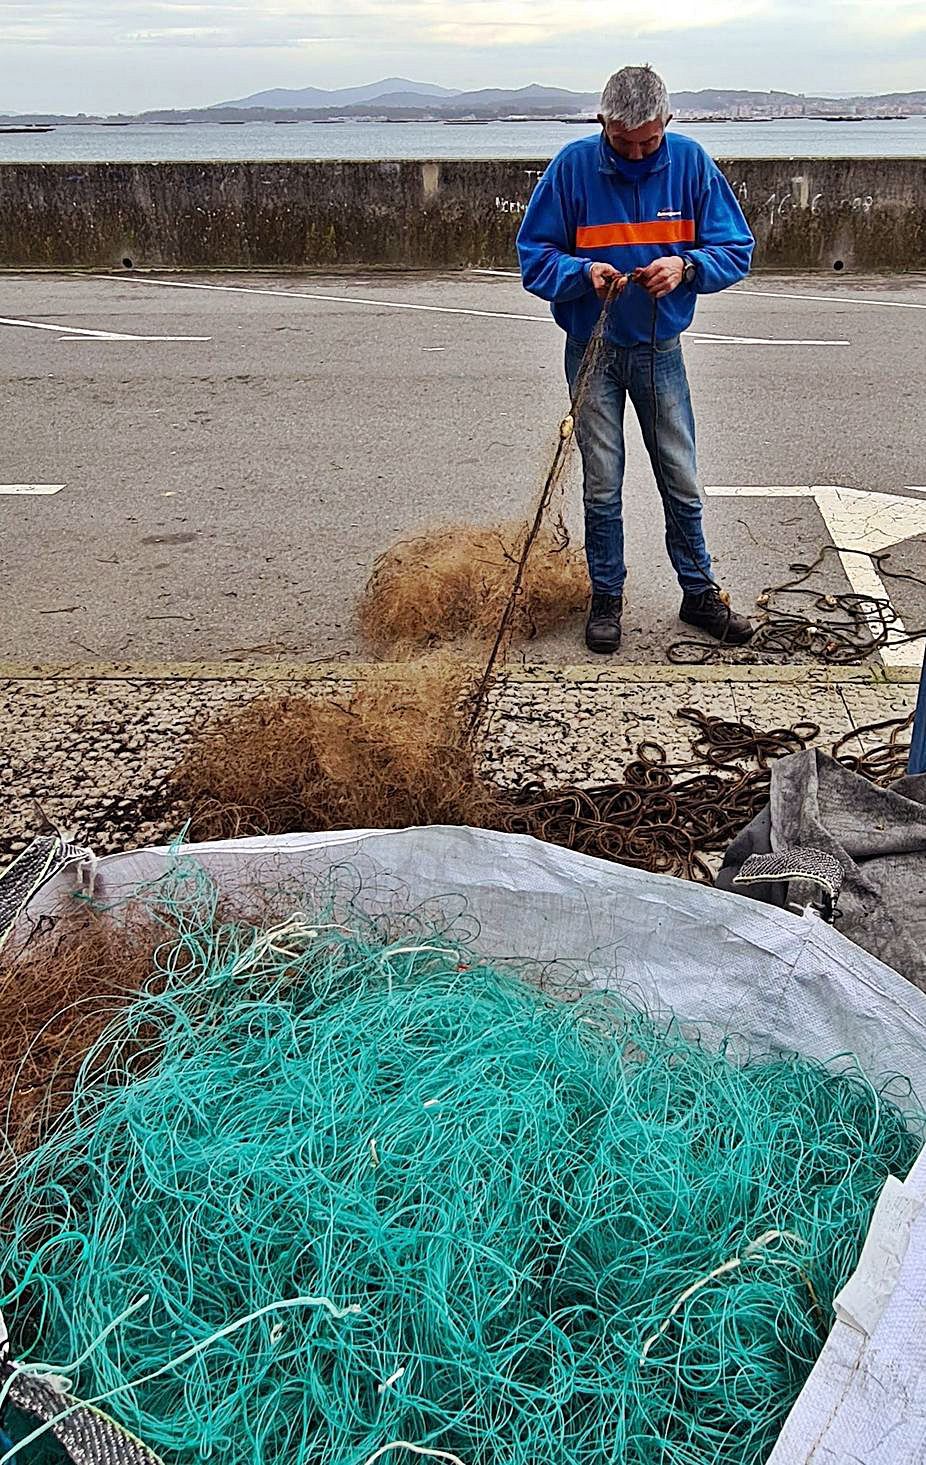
(720, 962)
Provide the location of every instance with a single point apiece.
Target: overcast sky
(130, 55)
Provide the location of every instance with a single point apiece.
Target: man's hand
(605, 279)
(662, 276)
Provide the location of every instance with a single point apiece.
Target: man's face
(636, 142)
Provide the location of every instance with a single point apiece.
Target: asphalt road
(226, 496)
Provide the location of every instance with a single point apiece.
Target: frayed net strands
(494, 582)
(57, 995)
(360, 1196)
(453, 582)
(390, 755)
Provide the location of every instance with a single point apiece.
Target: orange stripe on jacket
(657, 231)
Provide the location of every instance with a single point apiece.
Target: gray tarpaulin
(877, 834)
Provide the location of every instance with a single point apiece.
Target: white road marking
(858, 519)
(758, 340)
(831, 299)
(40, 326)
(435, 309)
(317, 295)
(77, 333)
(769, 294)
(42, 488)
(87, 342)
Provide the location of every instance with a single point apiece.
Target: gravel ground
(95, 752)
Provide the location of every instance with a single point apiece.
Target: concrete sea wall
(806, 213)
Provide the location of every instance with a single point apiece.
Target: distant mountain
(399, 94)
(311, 97)
(526, 96)
(402, 100)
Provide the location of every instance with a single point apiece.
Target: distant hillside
(713, 99)
(716, 100)
(313, 98)
(401, 100)
(405, 99)
(525, 97)
(410, 95)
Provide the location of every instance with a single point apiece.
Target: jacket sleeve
(546, 238)
(724, 241)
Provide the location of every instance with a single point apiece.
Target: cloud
(455, 25)
(466, 24)
(197, 51)
(207, 23)
(476, 25)
(900, 18)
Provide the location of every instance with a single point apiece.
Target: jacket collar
(609, 162)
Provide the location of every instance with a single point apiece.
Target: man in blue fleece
(636, 200)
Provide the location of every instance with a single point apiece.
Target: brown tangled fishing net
(455, 581)
(64, 979)
(57, 994)
(391, 753)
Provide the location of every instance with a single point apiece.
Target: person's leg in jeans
(600, 435)
(659, 391)
(668, 427)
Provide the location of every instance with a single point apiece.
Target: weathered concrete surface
(95, 749)
(229, 494)
(806, 213)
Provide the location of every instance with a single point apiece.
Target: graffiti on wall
(518, 205)
(781, 202)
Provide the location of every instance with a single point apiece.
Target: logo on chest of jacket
(669, 214)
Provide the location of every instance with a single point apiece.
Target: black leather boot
(711, 613)
(603, 627)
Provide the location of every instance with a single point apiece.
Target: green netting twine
(325, 1199)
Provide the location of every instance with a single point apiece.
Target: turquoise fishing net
(326, 1193)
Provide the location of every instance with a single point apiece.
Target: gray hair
(634, 96)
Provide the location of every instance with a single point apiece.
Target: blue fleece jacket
(590, 205)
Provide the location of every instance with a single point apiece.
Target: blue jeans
(669, 435)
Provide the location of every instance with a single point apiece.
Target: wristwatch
(690, 272)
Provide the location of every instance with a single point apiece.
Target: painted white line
(770, 491)
(335, 299)
(831, 299)
(95, 341)
(42, 488)
(435, 309)
(757, 340)
(858, 519)
(771, 295)
(34, 325)
(77, 333)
